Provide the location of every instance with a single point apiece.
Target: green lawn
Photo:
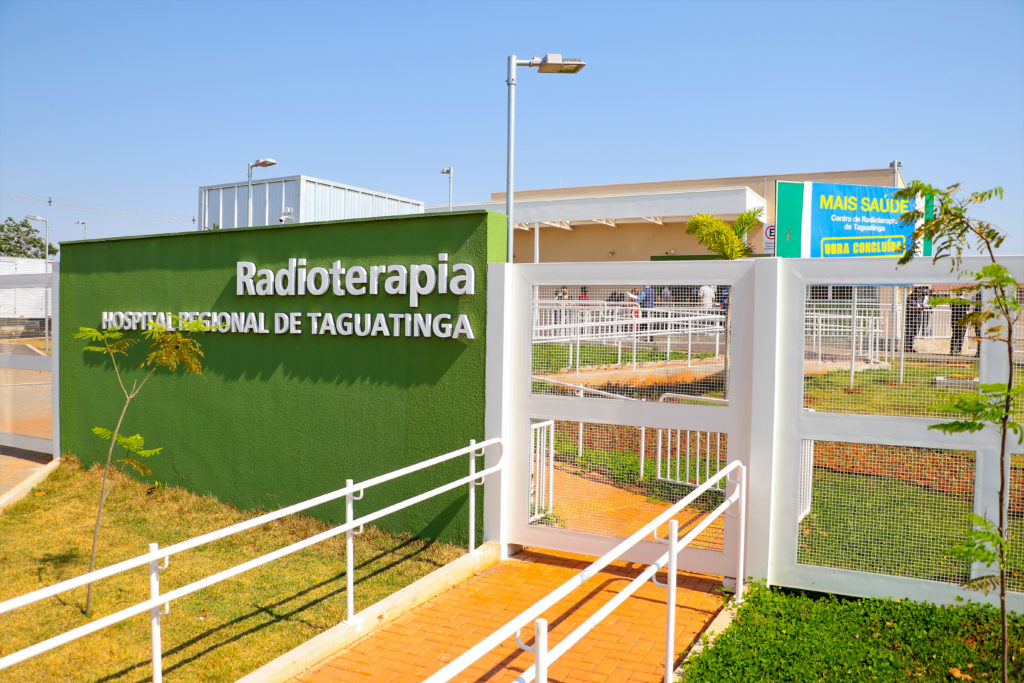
(880, 391)
(888, 526)
(217, 634)
(795, 637)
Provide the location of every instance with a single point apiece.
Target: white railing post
(549, 442)
(155, 614)
(472, 497)
(741, 540)
(540, 641)
(350, 562)
(473, 483)
(643, 448)
(671, 581)
(155, 555)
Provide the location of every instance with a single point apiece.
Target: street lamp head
(446, 171)
(81, 222)
(263, 163)
(34, 218)
(556, 64)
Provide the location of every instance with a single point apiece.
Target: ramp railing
(157, 558)
(545, 655)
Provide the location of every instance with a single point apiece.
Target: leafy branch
(953, 231)
(170, 348)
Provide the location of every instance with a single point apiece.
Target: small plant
(952, 231)
(170, 348)
(718, 237)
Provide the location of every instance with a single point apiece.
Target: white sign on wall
(769, 238)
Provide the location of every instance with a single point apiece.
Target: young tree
(21, 238)
(718, 237)
(953, 231)
(169, 349)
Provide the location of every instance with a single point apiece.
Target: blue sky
(121, 110)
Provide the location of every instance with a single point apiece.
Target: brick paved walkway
(592, 504)
(627, 646)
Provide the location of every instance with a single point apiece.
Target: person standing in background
(917, 302)
(958, 311)
(707, 296)
(646, 301)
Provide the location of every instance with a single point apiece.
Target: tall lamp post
(450, 172)
(548, 64)
(46, 305)
(262, 163)
(85, 228)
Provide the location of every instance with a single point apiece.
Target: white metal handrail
(676, 544)
(351, 491)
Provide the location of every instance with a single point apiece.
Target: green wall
(276, 419)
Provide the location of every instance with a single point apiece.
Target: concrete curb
(21, 490)
(320, 647)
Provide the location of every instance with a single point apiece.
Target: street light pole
(261, 163)
(450, 172)
(85, 228)
(46, 304)
(510, 153)
(549, 64)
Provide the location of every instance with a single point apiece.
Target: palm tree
(718, 237)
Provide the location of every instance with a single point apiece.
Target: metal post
(643, 447)
(46, 302)
(670, 582)
(536, 242)
(903, 335)
(154, 616)
(549, 441)
(511, 81)
(248, 215)
(472, 497)
(451, 179)
(853, 336)
(579, 444)
(350, 564)
(741, 545)
(540, 644)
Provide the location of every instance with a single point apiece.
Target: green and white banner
(827, 220)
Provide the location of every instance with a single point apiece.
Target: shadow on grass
(277, 617)
(55, 563)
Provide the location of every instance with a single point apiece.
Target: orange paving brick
(627, 645)
(592, 504)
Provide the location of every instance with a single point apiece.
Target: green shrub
(794, 636)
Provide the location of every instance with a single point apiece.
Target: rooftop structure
(295, 199)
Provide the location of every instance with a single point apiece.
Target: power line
(97, 208)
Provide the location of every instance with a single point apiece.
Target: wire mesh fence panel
(605, 481)
(884, 350)
(895, 510)
(1015, 547)
(631, 342)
